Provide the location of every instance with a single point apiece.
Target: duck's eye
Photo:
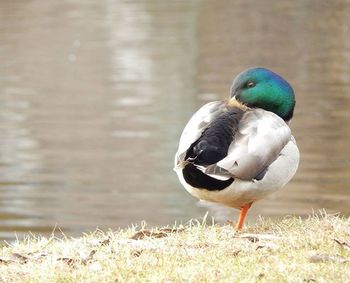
(250, 84)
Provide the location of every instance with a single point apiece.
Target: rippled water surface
(94, 96)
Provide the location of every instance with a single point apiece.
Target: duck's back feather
(196, 125)
(257, 138)
(215, 140)
(258, 141)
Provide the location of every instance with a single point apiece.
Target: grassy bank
(294, 250)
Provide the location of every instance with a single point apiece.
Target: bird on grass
(238, 151)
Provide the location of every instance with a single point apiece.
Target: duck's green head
(262, 88)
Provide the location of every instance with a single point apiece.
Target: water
(94, 96)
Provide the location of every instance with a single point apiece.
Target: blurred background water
(94, 96)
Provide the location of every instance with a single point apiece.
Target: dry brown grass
(316, 249)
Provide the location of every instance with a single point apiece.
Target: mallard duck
(238, 151)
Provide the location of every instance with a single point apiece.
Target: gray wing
(260, 138)
(196, 125)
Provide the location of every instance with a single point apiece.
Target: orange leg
(242, 215)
